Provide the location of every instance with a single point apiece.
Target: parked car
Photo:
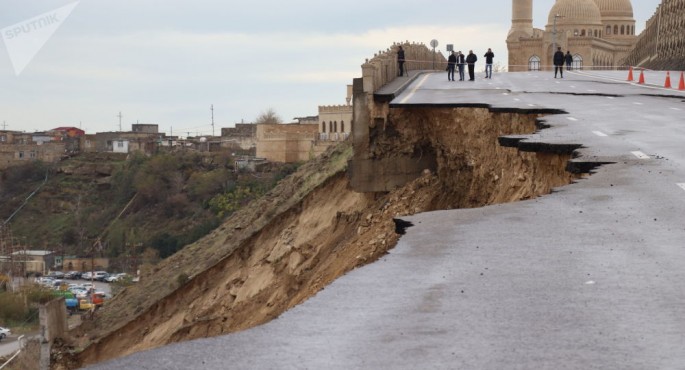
(56, 274)
(73, 275)
(100, 275)
(85, 305)
(72, 305)
(117, 277)
(4, 332)
(86, 275)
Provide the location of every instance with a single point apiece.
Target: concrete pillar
(522, 18)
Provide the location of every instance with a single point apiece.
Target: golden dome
(615, 8)
(576, 13)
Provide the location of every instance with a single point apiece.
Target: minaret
(521, 19)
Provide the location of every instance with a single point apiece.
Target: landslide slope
(313, 228)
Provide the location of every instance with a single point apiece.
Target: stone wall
(138, 141)
(53, 319)
(16, 154)
(84, 264)
(366, 171)
(243, 136)
(286, 143)
(662, 44)
(383, 67)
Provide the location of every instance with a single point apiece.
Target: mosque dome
(615, 8)
(577, 12)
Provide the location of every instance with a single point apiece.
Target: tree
(269, 117)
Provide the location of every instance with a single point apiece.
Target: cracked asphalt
(589, 277)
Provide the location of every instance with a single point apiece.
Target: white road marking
(573, 86)
(592, 90)
(590, 282)
(640, 155)
(610, 97)
(637, 103)
(682, 185)
(515, 99)
(675, 108)
(572, 119)
(531, 105)
(600, 133)
(411, 94)
(505, 94)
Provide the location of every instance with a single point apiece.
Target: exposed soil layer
(313, 228)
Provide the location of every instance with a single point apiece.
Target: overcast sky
(167, 61)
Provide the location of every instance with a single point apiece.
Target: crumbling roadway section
(588, 277)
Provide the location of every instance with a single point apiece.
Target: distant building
(286, 143)
(67, 132)
(17, 148)
(309, 120)
(242, 136)
(85, 264)
(127, 142)
(34, 261)
(149, 128)
(598, 33)
(250, 164)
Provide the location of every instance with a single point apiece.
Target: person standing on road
(461, 60)
(489, 56)
(451, 62)
(559, 63)
(471, 60)
(400, 61)
(569, 60)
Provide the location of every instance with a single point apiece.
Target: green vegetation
(140, 208)
(21, 308)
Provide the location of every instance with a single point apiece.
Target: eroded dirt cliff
(313, 228)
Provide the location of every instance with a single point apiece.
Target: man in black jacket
(559, 63)
(569, 60)
(451, 62)
(488, 63)
(471, 60)
(400, 61)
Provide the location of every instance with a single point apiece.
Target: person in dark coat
(400, 61)
(559, 63)
(451, 63)
(569, 60)
(471, 60)
(489, 56)
(461, 61)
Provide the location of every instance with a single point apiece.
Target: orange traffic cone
(667, 84)
(681, 85)
(641, 81)
(630, 74)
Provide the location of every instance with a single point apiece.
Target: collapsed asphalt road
(587, 277)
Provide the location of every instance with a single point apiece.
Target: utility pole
(120, 116)
(212, 108)
(4, 125)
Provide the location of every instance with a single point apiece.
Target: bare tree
(268, 116)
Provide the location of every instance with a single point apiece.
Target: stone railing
(662, 44)
(383, 67)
